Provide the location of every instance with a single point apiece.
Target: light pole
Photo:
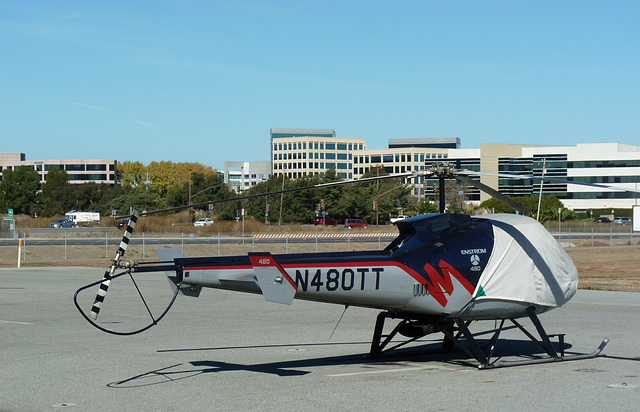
(559, 220)
(190, 208)
(382, 194)
(282, 196)
(544, 170)
(202, 191)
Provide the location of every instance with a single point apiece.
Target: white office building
(78, 171)
(614, 164)
(240, 176)
(303, 152)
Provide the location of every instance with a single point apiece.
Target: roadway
(231, 351)
(163, 241)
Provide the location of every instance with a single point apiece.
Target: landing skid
(453, 335)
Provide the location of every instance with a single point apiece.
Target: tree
(57, 195)
(256, 207)
(208, 188)
(341, 202)
(549, 209)
(298, 206)
(164, 174)
(389, 195)
(131, 174)
(107, 193)
(426, 206)
(138, 198)
(92, 196)
(496, 206)
(18, 190)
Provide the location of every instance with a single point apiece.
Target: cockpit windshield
(420, 230)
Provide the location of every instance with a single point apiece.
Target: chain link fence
(80, 246)
(75, 246)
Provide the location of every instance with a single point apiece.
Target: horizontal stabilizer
(275, 283)
(187, 290)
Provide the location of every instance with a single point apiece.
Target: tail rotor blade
(104, 285)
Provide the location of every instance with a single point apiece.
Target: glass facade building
(78, 171)
(303, 152)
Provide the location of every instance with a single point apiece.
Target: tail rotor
(104, 285)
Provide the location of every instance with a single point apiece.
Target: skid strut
(378, 345)
(465, 340)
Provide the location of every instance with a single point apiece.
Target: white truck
(81, 218)
(400, 217)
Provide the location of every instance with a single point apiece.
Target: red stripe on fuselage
(441, 282)
(268, 261)
(218, 267)
(399, 265)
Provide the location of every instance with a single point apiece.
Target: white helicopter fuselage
(490, 267)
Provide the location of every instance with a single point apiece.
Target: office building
(303, 152)
(241, 176)
(78, 171)
(614, 164)
(300, 152)
(406, 155)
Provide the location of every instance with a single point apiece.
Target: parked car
(326, 220)
(122, 223)
(351, 223)
(622, 221)
(205, 221)
(60, 223)
(602, 219)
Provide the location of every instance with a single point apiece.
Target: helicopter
(441, 273)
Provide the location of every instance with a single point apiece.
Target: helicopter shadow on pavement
(417, 357)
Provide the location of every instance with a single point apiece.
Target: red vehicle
(325, 221)
(351, 223)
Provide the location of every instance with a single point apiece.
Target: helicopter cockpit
(420, 230)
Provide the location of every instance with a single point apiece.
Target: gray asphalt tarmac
(231, 351)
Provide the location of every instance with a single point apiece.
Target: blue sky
(204, 81)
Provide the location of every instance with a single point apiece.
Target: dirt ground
(608, 268)
(600, 268)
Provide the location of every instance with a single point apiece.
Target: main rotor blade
(504, 199)
(551, 179)
(277, 192)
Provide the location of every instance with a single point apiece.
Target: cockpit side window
(421, 230)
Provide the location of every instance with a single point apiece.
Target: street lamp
(190, 208)
(544, 170)
(382, 194)
(559, 220)
(203, 190)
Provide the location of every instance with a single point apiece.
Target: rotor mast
(443, 171)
